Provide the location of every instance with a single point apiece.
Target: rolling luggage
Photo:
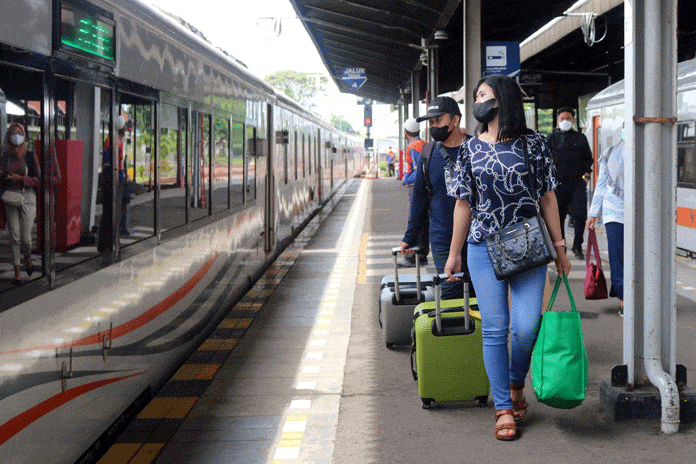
(406, 279)
(447, 350)
(396, 305)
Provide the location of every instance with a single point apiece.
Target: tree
(300, 86)
(341, 124)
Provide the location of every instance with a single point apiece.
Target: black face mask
(484, 112)
(440, 134)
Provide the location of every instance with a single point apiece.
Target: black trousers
(573, 201)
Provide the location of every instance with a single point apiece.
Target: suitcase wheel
(390, 346)
(482, 401)
(427, 402)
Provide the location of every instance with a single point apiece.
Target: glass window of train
(137, 170)
(250, 163)
(172, 167)
(686, 155)
(221, 165)
(200, 166)
(21, 94)
(304, 158)
(237, 165)
(262, 149)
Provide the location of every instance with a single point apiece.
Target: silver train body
(605, 119)
(82, 342)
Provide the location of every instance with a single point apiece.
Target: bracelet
(560, 243)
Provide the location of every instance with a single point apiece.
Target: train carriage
(605, 117)
(144, 253)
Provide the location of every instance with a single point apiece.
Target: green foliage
(341, 124)
(300, 86)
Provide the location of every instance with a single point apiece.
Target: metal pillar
(415, 92)
(433, 70)
(402, 117)
(472, 59)
(650, 200)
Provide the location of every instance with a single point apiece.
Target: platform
(298, 372)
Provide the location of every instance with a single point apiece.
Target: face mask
(484, 112)
(565, 125)
(440, 134)
(16, 139)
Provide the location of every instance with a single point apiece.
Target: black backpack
(425, 164)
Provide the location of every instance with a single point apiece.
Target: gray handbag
(522, 246)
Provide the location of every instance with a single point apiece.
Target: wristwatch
(560, 243)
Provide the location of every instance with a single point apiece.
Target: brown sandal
(519, 406)
(508, 426)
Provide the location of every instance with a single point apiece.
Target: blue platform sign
(354, 78)
(500, 58)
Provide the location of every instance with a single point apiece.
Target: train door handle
(66, 371)
(107, 346)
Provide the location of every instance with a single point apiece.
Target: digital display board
(86, 33)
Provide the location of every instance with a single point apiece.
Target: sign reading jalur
(354, 78)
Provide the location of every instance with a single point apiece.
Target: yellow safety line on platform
(362, 267)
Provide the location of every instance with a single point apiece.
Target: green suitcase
(447, 350)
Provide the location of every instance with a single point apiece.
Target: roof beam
(369, 22)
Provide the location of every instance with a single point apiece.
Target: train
(149, 245)
(605, 119)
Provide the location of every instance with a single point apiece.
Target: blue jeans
(499, 317)
(450, 290)
(615, 241)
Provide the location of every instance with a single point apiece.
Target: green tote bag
(559, 359)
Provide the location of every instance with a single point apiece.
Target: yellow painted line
(120, 453)
(291, 435)
(289, 443)
(272, 271)
(260, 293)
(231, 323)
(215, 344)
(247, 306)
(168, 408)
(362, 267)
(147, 453)
(196, 372)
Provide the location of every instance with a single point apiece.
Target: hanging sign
(500, 58)
(354, 78)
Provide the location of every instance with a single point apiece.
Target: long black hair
(511, 121)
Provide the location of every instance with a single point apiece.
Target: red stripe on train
(18, 423)
(139, 321)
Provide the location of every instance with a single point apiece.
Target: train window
(296, 157)
(686, 155)
(200, 166)
(304, 157)
(221, 165)
(172, 167)
(137, 170)
(237, 165)
(250, 163)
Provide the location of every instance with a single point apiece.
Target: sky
(249, 31)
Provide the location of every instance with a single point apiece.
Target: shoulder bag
(559, 360)
(595, 283)
(14, 198)
(522, 246)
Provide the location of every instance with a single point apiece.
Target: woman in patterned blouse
(490, 184)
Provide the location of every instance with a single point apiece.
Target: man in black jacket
(573, 159)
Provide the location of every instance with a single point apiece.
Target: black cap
(440, 106)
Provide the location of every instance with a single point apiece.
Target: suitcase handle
(437, 280)
(395, 253)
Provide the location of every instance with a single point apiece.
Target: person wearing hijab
(608, 203)
(19, 172)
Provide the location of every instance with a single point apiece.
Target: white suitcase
(396, 305)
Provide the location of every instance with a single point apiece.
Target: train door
(137, 165)
(22, 97)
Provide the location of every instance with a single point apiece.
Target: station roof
(384, 38)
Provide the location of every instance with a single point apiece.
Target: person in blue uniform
(444, 117)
